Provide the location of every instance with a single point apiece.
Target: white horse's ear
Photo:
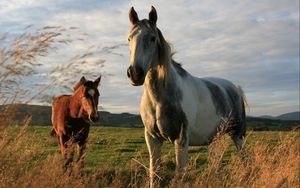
(133, 17)
(153, 15)
(97, 81)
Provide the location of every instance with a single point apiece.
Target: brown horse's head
(89, 97)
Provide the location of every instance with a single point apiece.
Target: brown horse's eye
(128, 39)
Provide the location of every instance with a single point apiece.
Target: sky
(255, 44)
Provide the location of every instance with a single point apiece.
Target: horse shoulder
(189, 101)
(147, 112)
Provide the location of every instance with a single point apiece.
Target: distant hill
(15, 114)
(292, 116)
(267, 117)
(295, 116)
(41, 115)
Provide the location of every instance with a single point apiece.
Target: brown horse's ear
(153, 15)
(133, 17)
(81, 82)
(97, 81)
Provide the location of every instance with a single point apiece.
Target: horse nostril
(95, 118)
(139, 72)
(135, 74)
(129, 72)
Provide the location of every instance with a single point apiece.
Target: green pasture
(116, 148)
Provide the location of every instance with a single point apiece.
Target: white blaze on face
(133, 36)
(91, 92)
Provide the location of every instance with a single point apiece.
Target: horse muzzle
(136, 75)
(94, 118)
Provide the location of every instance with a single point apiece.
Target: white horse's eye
(128, 39)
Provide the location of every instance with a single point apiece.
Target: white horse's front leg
(154, 148)
(181, 152)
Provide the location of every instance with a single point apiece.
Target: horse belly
(201, 116)
(202, 132)
(202, 126)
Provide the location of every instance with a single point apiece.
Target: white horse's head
(147, 46)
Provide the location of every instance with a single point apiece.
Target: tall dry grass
(27, 164)
(25, 56)
(266, 165)
(20, 57)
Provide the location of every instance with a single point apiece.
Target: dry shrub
(50, 174)
(27, 164)
(16, 149)
(266, 165)
(24, 162)
(274, 166)
(133, 175)
(19, 58)
(29, 55)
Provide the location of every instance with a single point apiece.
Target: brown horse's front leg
(69, 156)
(81, 143)
(80, 160)
(66, 150)
(80, 151)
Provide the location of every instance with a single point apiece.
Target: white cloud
(255, 44)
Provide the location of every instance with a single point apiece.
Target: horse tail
(53, 132)
(243, 96)
(244, 104)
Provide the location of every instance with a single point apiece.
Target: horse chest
(162, 111)
(165, 121)
(77, 127)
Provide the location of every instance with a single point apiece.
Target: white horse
(177, 106)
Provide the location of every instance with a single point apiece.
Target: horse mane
(88, 83)
(180, 70)
(166, 53)
(77, 86)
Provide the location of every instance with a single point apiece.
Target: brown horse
(72, 116)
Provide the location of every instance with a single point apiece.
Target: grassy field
(118, 157)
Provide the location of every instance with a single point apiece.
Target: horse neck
(75, 103)
(161, 77)
(160, 80)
